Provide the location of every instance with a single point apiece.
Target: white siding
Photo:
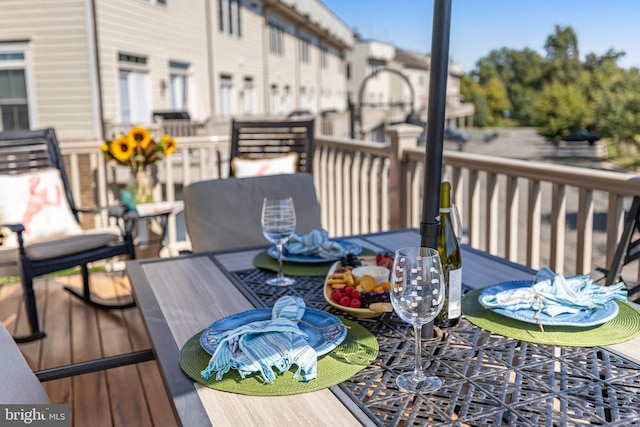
(176, 32)
(61, 81)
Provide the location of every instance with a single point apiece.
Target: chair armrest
(18, 229)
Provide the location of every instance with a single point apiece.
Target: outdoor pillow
(244, 167)
(38, 202)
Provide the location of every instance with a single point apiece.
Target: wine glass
(417, 296)
(278, 225)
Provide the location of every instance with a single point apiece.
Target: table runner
(625, 326)
(357, 351)
(265, 261)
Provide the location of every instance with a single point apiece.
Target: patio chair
(225, 213)
(628, 249)
(39, 220)
(261, 147)
(20, 385)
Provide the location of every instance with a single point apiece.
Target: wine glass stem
(280, 275)
(417, 371)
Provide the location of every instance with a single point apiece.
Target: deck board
(124, 396)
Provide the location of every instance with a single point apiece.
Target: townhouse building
(79, 65)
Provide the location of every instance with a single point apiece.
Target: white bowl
(381, 274)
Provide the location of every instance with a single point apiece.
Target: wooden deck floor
(126, 396)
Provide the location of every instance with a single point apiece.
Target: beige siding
(61, 81)
(176, 32)
(239, 57)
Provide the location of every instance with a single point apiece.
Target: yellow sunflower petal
(139, 136)
(169, 145)
(121, 149)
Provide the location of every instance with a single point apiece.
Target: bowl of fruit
(360, 286)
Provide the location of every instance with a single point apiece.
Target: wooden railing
(534, 213)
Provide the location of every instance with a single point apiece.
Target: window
(348, 70)
(14, 103)
(178, 85)
(324, 54)
(286, 100)
(304, 50)
(248, 96)
(274, 103)
(375, 65)
(276, 38)
(227, 107)
(135, 89)
(229, 17)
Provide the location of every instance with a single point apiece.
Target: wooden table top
(180, 296)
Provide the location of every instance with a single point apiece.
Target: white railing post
(402, 136)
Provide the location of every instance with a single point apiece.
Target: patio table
(488, 379)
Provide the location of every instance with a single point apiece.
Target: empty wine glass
(278, 225)
(417, 296)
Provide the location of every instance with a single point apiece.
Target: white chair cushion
(48, 248)
(244, 167)
(37, 201)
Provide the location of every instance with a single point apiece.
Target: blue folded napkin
(316, 243)
(260, 346)
(554, 294)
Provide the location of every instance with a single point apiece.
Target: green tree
(497, 100)
(617, 109)
(563, 57)
(560, 108)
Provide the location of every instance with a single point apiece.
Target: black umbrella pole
(430, 224)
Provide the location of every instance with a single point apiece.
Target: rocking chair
(39, 216)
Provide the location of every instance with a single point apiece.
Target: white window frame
(304, 50)
(137, 90)
(178, 85)
(249, 96)
(276, 38)
(227, 98)
(229, 17)
(274, 104)
(26, 65)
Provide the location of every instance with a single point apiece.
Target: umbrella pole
(430, 222)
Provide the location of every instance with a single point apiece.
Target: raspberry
(336, 295)
(348, 290)
(355, 303)
(345, 301)
(355, 294)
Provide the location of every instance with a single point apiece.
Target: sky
(480, 26)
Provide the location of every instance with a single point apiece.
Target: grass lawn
(67, 272)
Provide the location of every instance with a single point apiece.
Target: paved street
(526, 144)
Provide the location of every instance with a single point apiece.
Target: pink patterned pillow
(245, 167)
(37, 201)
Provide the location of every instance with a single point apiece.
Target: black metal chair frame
(28, 151)
(267, 138)
(628, 250)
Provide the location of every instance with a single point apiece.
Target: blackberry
(369, 298)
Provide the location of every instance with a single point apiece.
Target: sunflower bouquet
(138, 149)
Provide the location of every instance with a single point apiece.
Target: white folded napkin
(260, 346)
(316, 243)
(554, 294)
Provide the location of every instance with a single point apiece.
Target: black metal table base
(489, 380)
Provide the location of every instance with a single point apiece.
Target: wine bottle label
(455, 293)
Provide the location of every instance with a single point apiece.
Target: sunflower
(121, 149)
(139, 136)
(168, 145)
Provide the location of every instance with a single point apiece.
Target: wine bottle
(449, 250)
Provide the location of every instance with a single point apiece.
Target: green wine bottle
(449, 250)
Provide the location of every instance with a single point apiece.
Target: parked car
(453, 134)
(450, 134)
(582, 135)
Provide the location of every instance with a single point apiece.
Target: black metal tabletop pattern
(489, 380)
